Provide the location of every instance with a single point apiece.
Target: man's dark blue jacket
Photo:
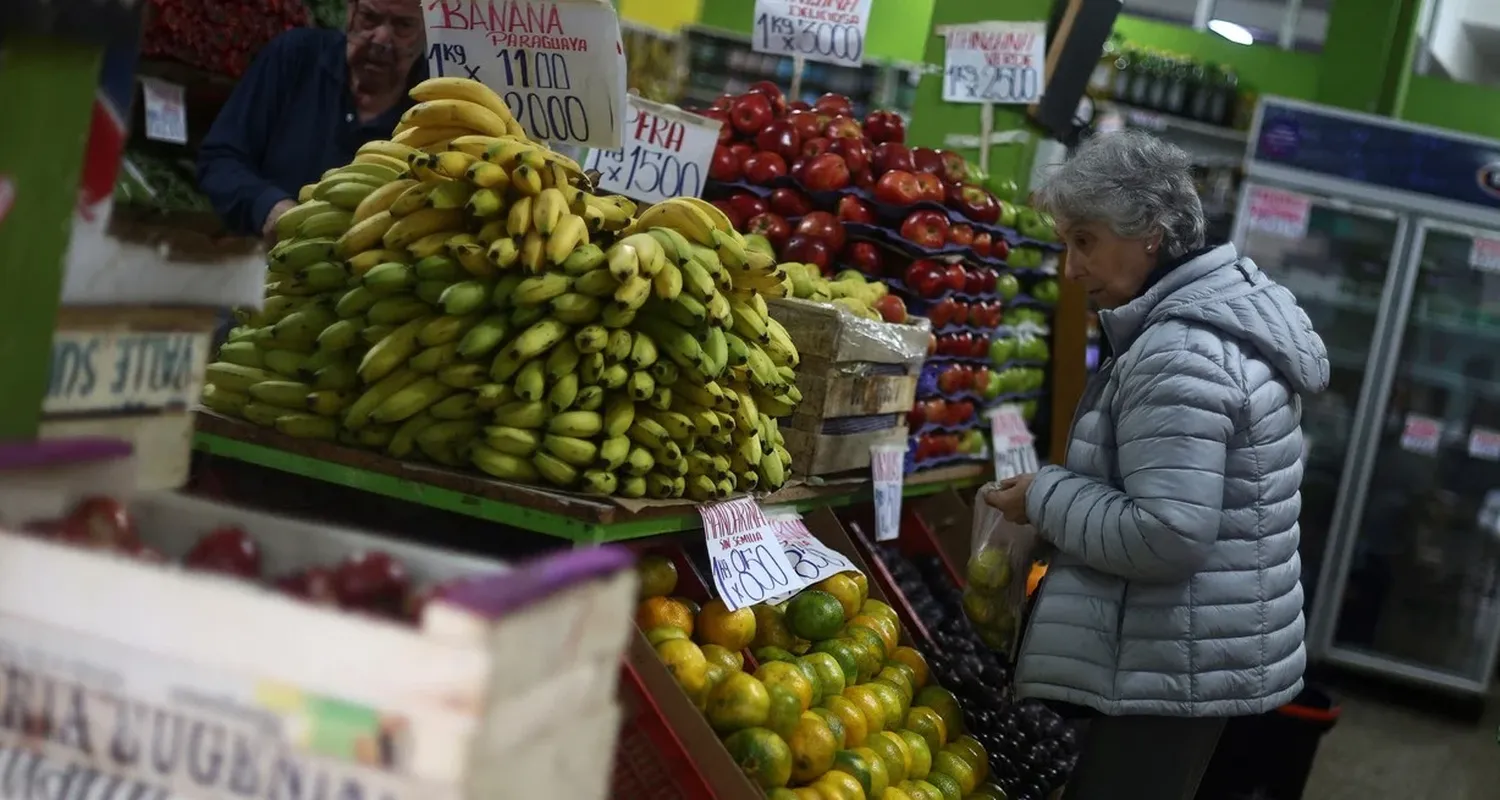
(289, 120)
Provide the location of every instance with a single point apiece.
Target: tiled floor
(1380, 751)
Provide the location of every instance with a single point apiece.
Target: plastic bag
(1000, 554)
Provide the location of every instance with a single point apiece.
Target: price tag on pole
(1277, 212)
(559, 65)
(749, 564)
(995, 62)
(666, 153)
(1013, 445)
(1484, 254)
(811, 560)
(831, 31)
(166, 111)
(887, 473)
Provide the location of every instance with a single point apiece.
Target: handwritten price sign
(748, 562)
(666, 153)
(811, 560)
(1484, 254)
(832, 31)
(166, 113)
(558, 64)
(1278, 213)
(995, 62)
(1014, 446)
(887, 473)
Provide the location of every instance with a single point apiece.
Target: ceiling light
(1231, 31)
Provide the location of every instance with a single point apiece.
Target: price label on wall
(166, 112)
(1013, 445)
(1278, 213)
(1484, 444)
(995, 62)
(748, 563)
(559, 65)
(831, 31)
(811, 560)
(666, 153)
(1421, 434)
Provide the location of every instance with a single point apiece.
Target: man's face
(385, 38)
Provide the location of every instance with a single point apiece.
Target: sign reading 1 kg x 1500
(817, 30)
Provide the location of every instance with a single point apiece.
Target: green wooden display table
(579, 519)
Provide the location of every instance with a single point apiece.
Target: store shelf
(1210, 145)
(577, 518)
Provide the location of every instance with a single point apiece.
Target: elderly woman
(1173, 599)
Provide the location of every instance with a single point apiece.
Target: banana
(531, 381)
(687, 311)
(503, 253)
(245, 354)
(224, 401)
(395, 310)
(464, 297)
(464, 376)
(522, 414)
(288, 223)
(667, 282)
(457, 113)
(537, 339)
(639, 462)
(661, 398)
(389, 278)
(567, 235)
(430, 245)
(526, 180)
(434, 358)
(599, 482)
(450, 194)
(554, 470)
(562, 360)
(453, 164)
(262, 414)
(649, 433)
(502, 465)
(447, 441)
(358, 413)
(617, 348)
(474, 258)
(597, 283)
(631, 486)
(665, 372)
(576, 308)
(412, 199)
(410, 399)
(697, 280)
(748, 323)
(438, 268)
(526, 316)
(547, 209)
(590, 398)
(541, 289)
(571, 450)
(369, 259)
(381, 199)
(387, 355)
(633, 293)
(612, 453)
(624, 261)
(490, 396)
(640, 386)
(403, 441)
(520, 442)
(447, 329)
(323, 276)
(460, 89)
(292, 255)
(591, 339)
(737, 349)
(387, 148)
(715, 352)
(417, 224)
(489, 176)
(518, 221)
(583, 259)
(431, 292)
(563, 393)
(581, 424)
(284, 394)
(307, 426)
(486, 204)
(484, 337)
(328, 224)
(590, 366)
(429, 137)
(533, 251)
(660, 487)
(327, 402)
(673, 244)
(337, 337)
(677, 342)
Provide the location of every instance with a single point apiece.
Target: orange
(990, 791)
(783, 673)
(813, 747)
(881, 609)
(879, 777)
(830, 674)
(764, 654)
(732, 660)
(892, 750)
(890, 700)
(913, 659)
(990, 572)
(764, 757)
(868, 704)
(770, 628)
(785, 710)
(893, 793)
(947, 762)
(856, 729)
(815, 615)
(808, 793)
(946, 705)
(897, 677)
(835, 725)
(890, 632)
(663, 612)
(845, 653)
(1034, 579)
(688, 603)
(921, 754)
(811, 673)
(852, 763)
(867, 636)
(927, 724)
(658, 575)
(740, 701)
(781, 794)
(862, 582)
(731, 630)
(983, 610)
(843, 587)
(920, 790)
(658, 635)
(716, 675)
(840, 785)
(946, 785)
(686, 663)
(970, 750)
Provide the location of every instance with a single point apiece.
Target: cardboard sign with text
(1279, 213)
(748, 562)
(831, 31)
(666, 153)
(995, 62)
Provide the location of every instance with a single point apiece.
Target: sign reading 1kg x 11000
(817, 30)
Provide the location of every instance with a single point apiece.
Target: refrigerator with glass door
(1389, 235)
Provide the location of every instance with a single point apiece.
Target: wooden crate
(851, 368)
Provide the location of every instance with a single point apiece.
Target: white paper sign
(887, 472)
(1421, 434)
(558, 64)
(748, 563)
(1484, 254)
(995, 62)
(1484, 444)
(166, 112)
(1279, 213)
(125, 371)
(1013, 445)
(831, 31)
(812, 560)
(666, 153)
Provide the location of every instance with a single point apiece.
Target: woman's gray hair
(1133, 182)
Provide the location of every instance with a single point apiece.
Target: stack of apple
(372, 582)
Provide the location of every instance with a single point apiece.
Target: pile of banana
(459, 294)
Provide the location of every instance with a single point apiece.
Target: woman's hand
(1010, 498)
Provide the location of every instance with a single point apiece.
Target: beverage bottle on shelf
(1208, 90)
(1140, 79)
(1194, 79)
(1102, 80)
(1124, 73)
(1161, 77)
(1231, 99)
(1177, 87)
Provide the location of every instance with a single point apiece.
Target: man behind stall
(306, 104)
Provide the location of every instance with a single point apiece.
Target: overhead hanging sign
(1277, 212)
(666, 153)
(995, 62)
(558, 64)
(831, 31)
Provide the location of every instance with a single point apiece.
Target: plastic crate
(650, 761)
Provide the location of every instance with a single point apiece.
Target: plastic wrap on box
(834, 334)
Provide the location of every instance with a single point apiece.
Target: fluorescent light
(1229, 30)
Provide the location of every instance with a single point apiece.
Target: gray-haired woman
(1173, 600)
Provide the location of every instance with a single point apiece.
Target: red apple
(314, 585)
(955, 169)
(982, 245)
(736, 219)
(885, 126)
(891, 308)
(979, 347)
(750, 113)
(99, 522)
(916, 418)
(925, 278)
(789, 202)
(853, 209)
(973, 281)
(1000, 248)
(960, 234)
(863, 256)
(889, 156)
(370, 581)
(823, 226)
(723, 102)
(762, 167)
(798, 170)
(951, 379)
(746, 204)
(932, 187)
(772, 226)
(959, 412)
(843, 128)
(781, 138)
(962, 312)
(898, 188)
(825, 173)
(773, 95)
(742, 150)
(227, 550)
(809, 250)
(799, 105)
(942, 312)
(816, 146)
(987, 277)
(726, 130)
(926, 228)
(974, 202)
(865, 179)
(855, 152)
(955, 277)
(928, 160)
(834, 105)
(724, 166)
(806, 124)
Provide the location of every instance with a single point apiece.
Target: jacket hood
(1222, 290)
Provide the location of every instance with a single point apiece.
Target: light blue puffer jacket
(1176, 587)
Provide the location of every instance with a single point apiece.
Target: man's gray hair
(1133, 182)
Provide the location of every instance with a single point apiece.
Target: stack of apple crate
(858, 380)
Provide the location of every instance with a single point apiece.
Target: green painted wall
(1268, 70)
(1463, 107)
(895, 31)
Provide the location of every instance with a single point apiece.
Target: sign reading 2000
(558, 64)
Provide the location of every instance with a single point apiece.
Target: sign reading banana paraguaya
(666, 153)
(124, 371)
(558, 64)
